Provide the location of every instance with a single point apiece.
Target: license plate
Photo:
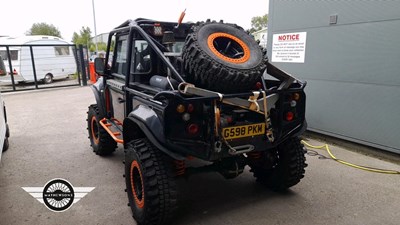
(243, 131)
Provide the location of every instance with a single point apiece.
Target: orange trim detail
(94, 135)
(246, 49)
(139, 202)
(181, 17)
(105, 125)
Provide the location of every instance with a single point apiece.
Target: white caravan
(52, 61)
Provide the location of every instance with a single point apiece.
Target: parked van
(54, 59)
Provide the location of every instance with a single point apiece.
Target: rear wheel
(285, 170)
(150, 185)
(101, 142)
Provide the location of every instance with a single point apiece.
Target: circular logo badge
(58, 195)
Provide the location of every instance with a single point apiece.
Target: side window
(120, 52)
(61, 50)
(13, 53)
(141, 54)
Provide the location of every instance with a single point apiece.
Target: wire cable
(366, 168)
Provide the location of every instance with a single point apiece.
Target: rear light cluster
(293, 99)
(186, 111)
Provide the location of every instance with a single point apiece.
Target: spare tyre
(222, 57)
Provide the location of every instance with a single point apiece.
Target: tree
(83, 38)
(101, 46)
(44, 29)
(258, 23)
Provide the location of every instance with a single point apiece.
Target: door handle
(120, 100)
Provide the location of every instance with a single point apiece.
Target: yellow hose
(370, 169)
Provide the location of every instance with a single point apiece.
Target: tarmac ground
(49, 140)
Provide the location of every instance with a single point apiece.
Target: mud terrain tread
(160, 193)
(106, 145)
(204, 71)
(289, 169)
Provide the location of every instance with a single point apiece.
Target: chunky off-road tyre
(101, 142)
(150, 185)
(222, 57)
(288, 167)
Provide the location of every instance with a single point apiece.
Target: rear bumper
(210, 151)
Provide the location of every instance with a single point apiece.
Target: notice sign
(289, 47)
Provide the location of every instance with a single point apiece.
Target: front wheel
(287, 168)
(101, 142)
(150, 185)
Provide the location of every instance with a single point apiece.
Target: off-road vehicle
(205, 91)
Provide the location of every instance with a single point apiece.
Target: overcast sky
(69, 16)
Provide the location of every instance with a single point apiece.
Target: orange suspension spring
(254, 155)
(180, 167)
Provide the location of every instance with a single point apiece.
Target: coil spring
(254, 155)
(180, 167)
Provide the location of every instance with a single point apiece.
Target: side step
(114, 128)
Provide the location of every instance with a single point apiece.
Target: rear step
(114, 128)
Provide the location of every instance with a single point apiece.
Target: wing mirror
(99, 66)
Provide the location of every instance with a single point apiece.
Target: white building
(262, 36)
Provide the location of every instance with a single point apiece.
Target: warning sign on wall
(289, 47)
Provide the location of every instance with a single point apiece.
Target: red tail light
(258, 85)
(193, 129)
(289, 116)
(190, 108)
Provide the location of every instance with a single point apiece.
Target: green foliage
(44, 29)
(101, 46)
(258, 23)
(83, 38)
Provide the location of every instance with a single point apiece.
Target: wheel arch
(98, 90)
(139, 125)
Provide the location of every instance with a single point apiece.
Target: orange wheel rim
(228, 48)
(137, 184)
(95, 130)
